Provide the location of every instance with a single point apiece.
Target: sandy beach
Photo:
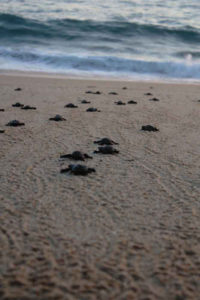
(131, 230)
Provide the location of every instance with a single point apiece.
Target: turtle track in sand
(71, 238)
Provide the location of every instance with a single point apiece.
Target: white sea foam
(99, 65)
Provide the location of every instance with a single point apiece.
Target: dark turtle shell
(85, 102)
(149, 128)
(113, 93)
(26, 107)
(57, 118)
(107, 150)
(71, 105)
(105, 141)
(18, 104)
(148, 94)
(76, 155)
(94, 93)
(2, 131)
(154, 99)
(78, 170)
(120, 103)
(15, 123)
(2, 109)
(132, 102)
(92, 109)
(18, 89)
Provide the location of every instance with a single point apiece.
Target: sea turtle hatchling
(149, 128)
(120, 103)
(76, 155)
(132, 102)
(107, 150)
(15, 123)
(2, 109)
(92, 109)
(2, 131)
(17, 104)
(94, 93)
(78, 170)
(113, 93)
(154, 99)
(57, 118)
(85, 101)
(26, 107)
(105, 141)
(71, 105)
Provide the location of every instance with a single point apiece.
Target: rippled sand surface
(129, 231)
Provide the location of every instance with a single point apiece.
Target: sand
(129, 231)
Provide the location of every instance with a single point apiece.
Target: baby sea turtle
(106, 150)
(89, 92)
(15, 123)
(2, 109)
(2, 131)
(113, 93)
(105, 141)
(78, 170)
(132, 102)
(148, 94)
(57, 118)
(85, 102)
(154, 99)
(76, 155)
(124, 88)
(26, 107)
(120, 103)
(18, 104)
(94, 93)
(92, 109)
(149, 128)
(71, 105)
(18, 89)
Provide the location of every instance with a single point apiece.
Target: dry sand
(129, 231)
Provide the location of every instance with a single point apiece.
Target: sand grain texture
(129, 231)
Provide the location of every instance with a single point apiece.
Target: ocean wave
(19, 27)
(110, 47)
(110, 65)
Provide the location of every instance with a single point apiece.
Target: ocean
(132, 39)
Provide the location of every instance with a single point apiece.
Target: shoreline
(98, 77)
(130, 230)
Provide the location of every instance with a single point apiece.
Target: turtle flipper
(65, 170)
(15, 123)
(90, 170)
(87, 156)
(66, 156)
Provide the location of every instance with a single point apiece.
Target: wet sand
(129, 231)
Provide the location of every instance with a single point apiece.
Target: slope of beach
(129, 231)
